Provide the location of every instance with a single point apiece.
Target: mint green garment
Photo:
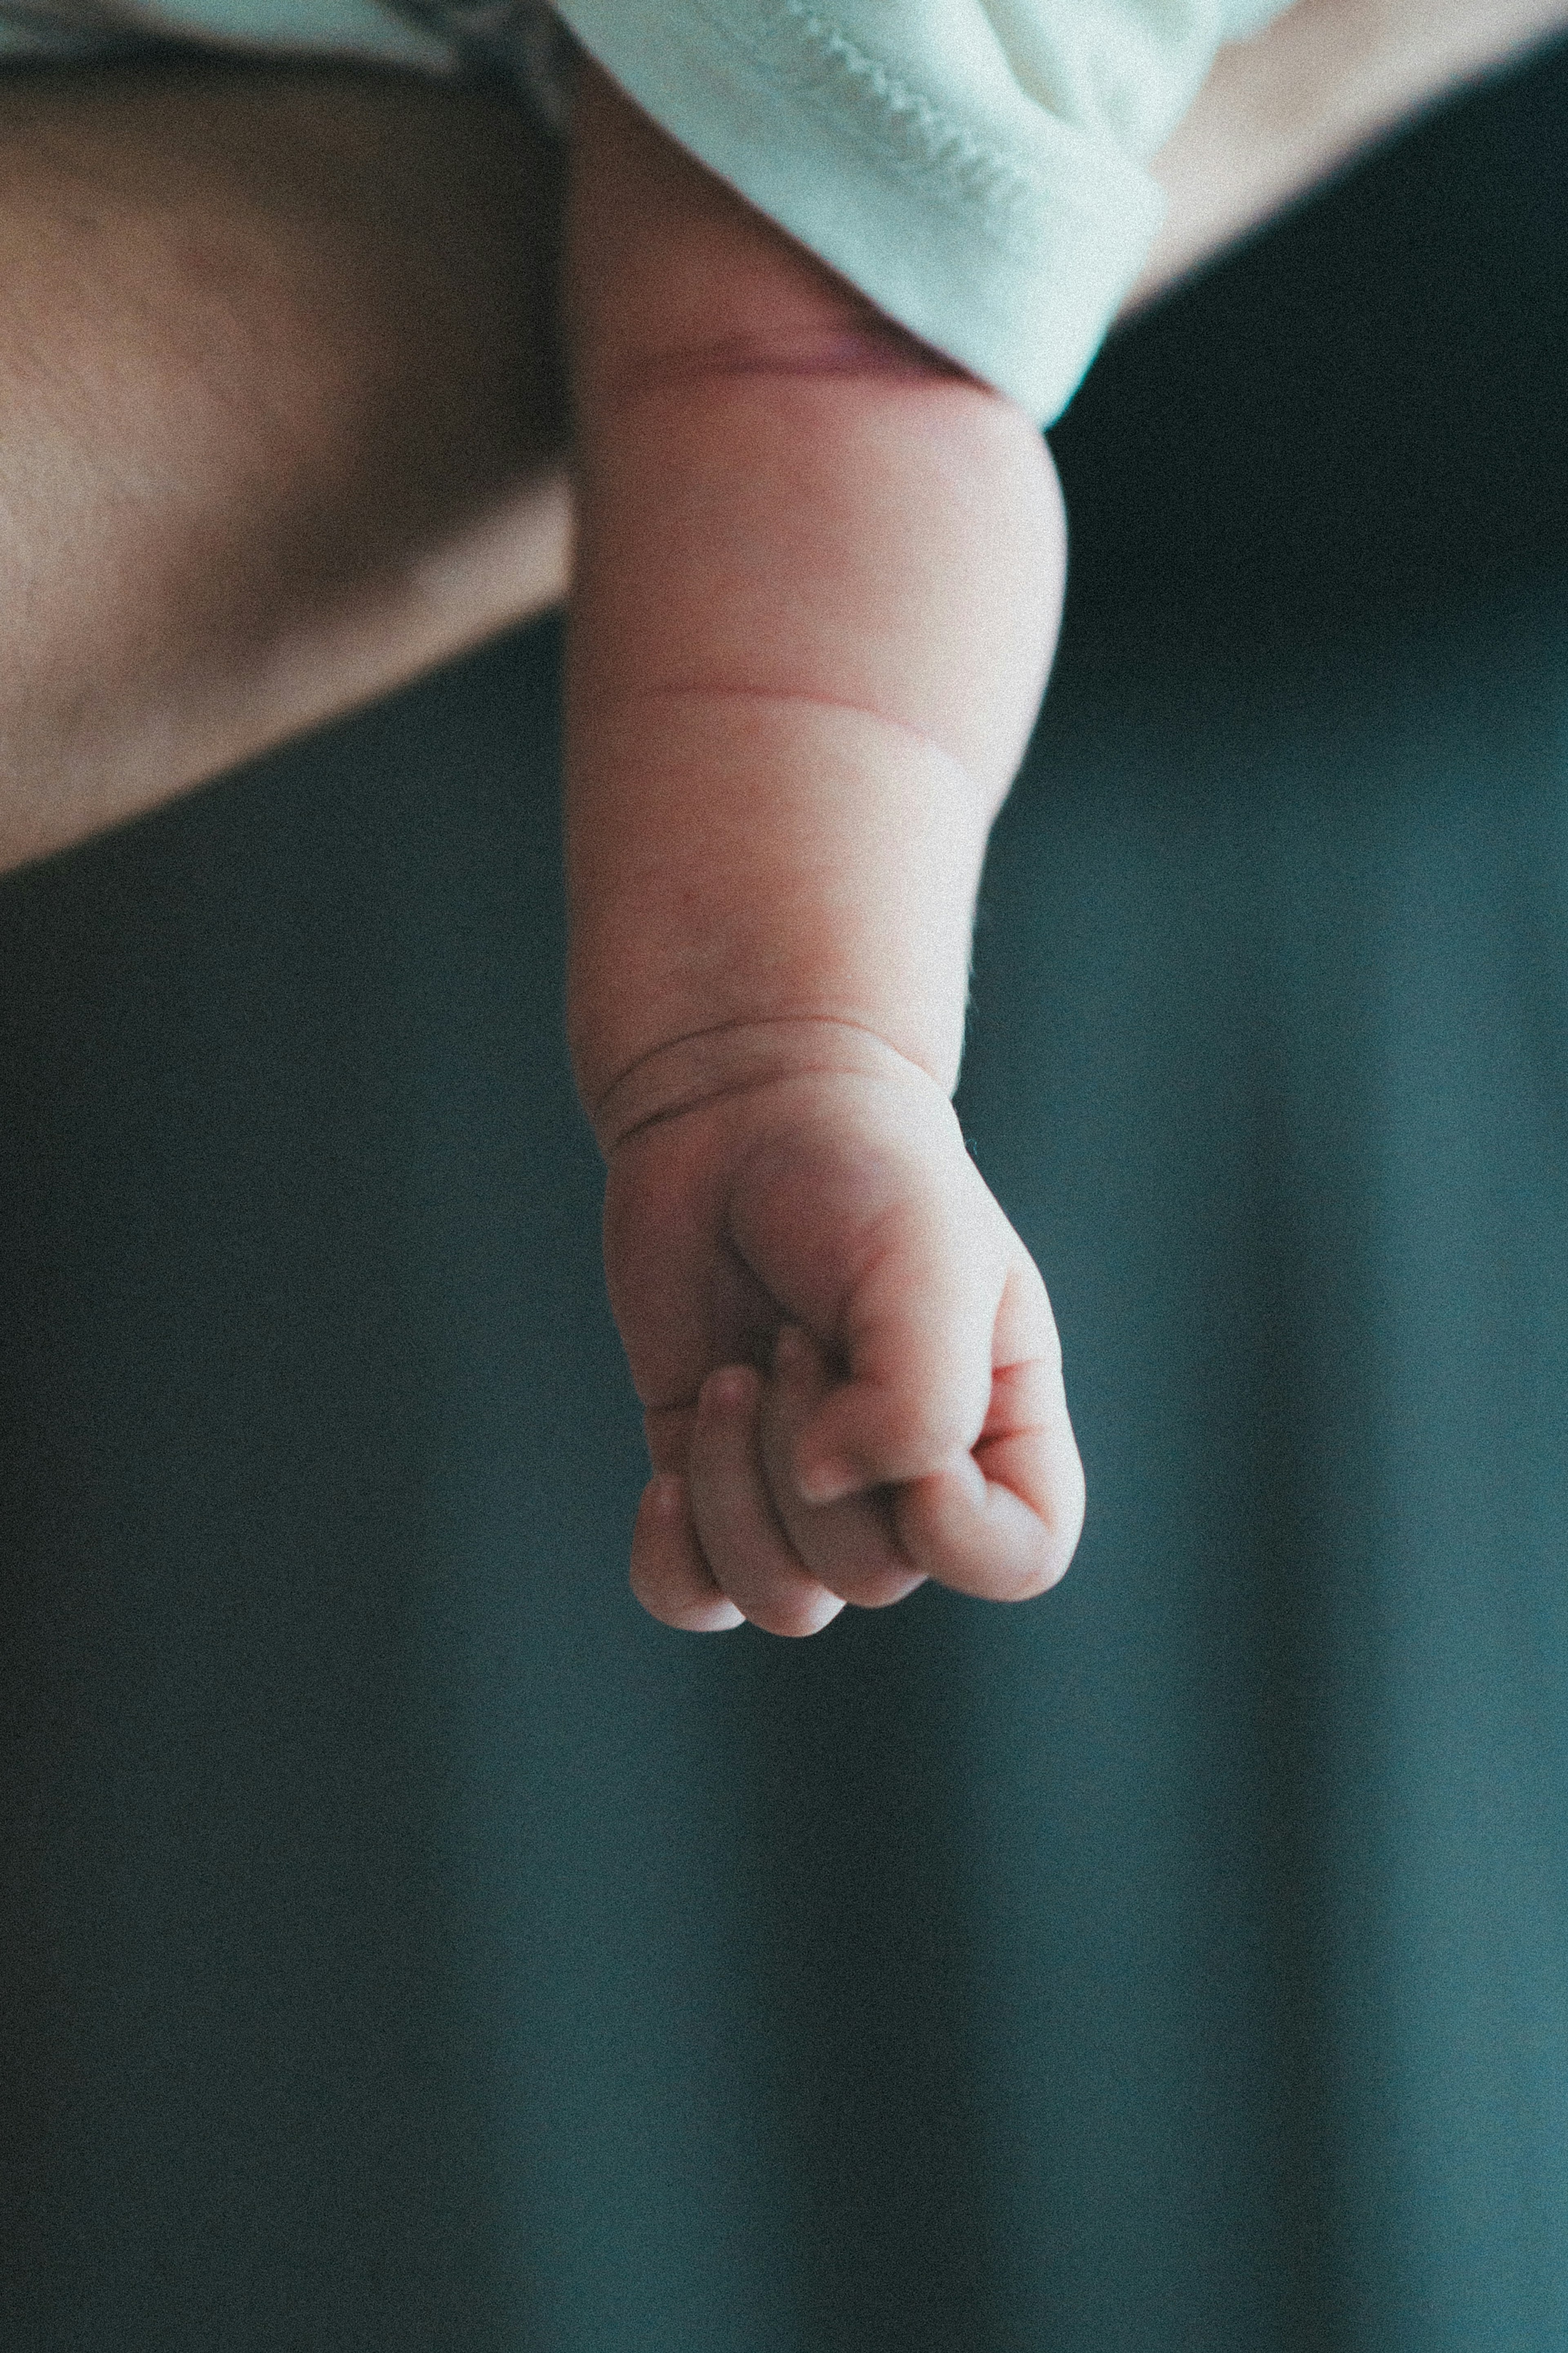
(406, 1946)
(976, 166)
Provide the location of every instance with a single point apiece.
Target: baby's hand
(846, 1360)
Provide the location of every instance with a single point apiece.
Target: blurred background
(411, 1946)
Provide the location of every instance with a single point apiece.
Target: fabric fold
(974, 168)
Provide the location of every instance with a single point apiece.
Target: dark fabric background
(406, 1944)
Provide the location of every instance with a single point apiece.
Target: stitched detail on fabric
(805, 51)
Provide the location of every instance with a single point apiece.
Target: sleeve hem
(1011, 254)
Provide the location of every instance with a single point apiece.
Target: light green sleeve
(976, 167)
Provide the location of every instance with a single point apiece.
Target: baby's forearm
(818, 576)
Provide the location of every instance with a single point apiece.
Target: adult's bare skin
(278, 423)
(279, 419)
(1283, 113)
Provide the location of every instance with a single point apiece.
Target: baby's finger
(1027, 1447)
(917, 1339)
(670, 1576)
(1004, 1524)
(744, 1546)
(850, 1546)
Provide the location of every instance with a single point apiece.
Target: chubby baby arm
(818, 585)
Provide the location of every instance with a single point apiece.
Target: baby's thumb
(915, 1344)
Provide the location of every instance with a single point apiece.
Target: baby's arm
(818, 587)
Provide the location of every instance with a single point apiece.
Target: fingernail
(790, 1350)
(828, 1482)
